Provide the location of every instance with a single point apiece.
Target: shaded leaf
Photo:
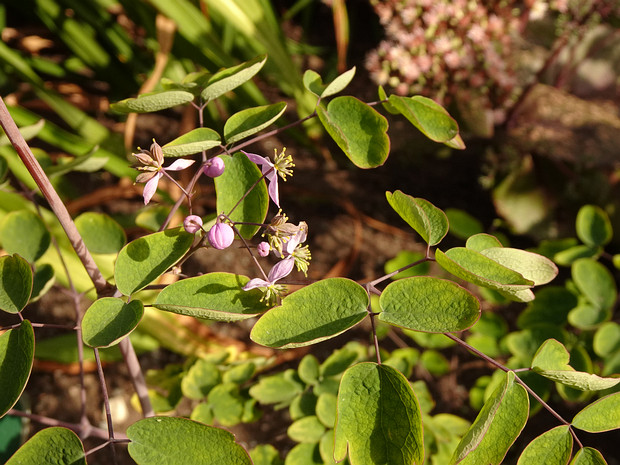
(358, 129)
(171, 441)
(427, 220)
(593, 226)
(428, 116)
(16, 357)
(404, 258)
(251, 120)
(276, 389)
(153, 101)
(56, 445)
(368, 394)
(24, 232)
(314, 313)
(194, 141)
(101, 233)
(109, 319)
(15, 283)
(428, 304)
(595, 282)
(462, 224)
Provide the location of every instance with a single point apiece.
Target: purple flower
(153, 160)
(192, 224)
(214, 167)
(263, 249)
(280, 270)
(221, 235)
(281, 166)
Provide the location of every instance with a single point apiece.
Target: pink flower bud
(221, 235)
(263, 249)
(214, 168)
(192, 224)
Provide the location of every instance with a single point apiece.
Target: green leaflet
(358, 129)
(15, 283)
(109, 319)
(230, 78)
(593, 226)
(602, 415)
(496, 427)
(24, 232)
(145, 259)
(428, 304)
(251, 120)
(368, 394)
(215, 296)
(52, 445)
(101, 233)
(553, 447)
(595, 282)
(153, 101)
(588, 456)
(16, 357)
(238, 177)
(427, 220)
(194, 141)
(426, 115)
(171, 441)
(313, 82)
(317, 312)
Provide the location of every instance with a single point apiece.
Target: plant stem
(106, 403)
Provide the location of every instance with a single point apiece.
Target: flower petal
(256, 282)
(151, 187)
(180, 164)
(273, 191)
(257, 159)
(281, 269)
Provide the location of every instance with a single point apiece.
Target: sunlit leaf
(428, 116)
(306, 429)
(54, 445)
(595, 282)
(200, 379)
(171, 441)
(153, 101)
(16, 357)
(108, 320)
(428, 304)
(230, 78)
(369, 394)
(480, 242)
(312, 314)
(191, 142)
(588, 456)
(358, 129)
(602, 415)
(339, 84)
(553, 447)
(251, 120)
(427, 220)
(275, 389)
(607, 339)
(540, 270)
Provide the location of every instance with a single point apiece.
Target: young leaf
(214, 296)
(496, 427)
(306, 429)
(200, 379)
(426, 219)
(15, 283)
(108, 320)
(312, 314)
(326, 409)
(339, 84)
(251, 120)
(23, 232)
(553, 447)
(602, 415)
(607, 339)
(540, 270)
(593, 226)
(276, 389)
(170, 441)
(428, 304)
(226, 403)
(588, 316)
(304, 454)
(153, 101)
(312, 81)
(551, 361)
(370, 394)
(194, 141)
(428, 116)
(358, 129)
(145, 259)
(265, 454)
(309, 369)
(228, 79)
(588, 456)
(239, 176)
(595, 282)
(16, 357)
(101, 233)
(51, 445)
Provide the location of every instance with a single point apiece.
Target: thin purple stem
(106, 402)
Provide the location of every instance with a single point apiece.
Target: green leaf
(588, 316)
(215, 296)
(101, 233)
(276, 389)
(56, 445)
(309, 369)
(304, 454)
(28, 132)
(568, 256)
(478, 269)
(387, 106)
(427, 220)
(152, 217)
(238, 177)
(340, 360)
(228, 79)
(251, 120)
(109, 319)
(435, 363)
(428, 116)
(15, 283)
(265, 454)
(358, 129)
(312, 314)
(551, 305)
(226, 403)
(553, 447)
(303, 405)
(538, 269)
(171, 441)
(404, 258)
(84, 163)
(312, 81)
(482, 241)
(326, 409)
(16, 357)
(194, 141)
(200, 379)
(338, 84)
(595, 282)
(369, 394)
(607, 339)
(42, 281)
(239, 374)
(551, 361)
(202, 413)
(307, 429)
(496, 427)
(153, 101)
(593, 226)
(23, 232)
(428, 304)
(145, 259)
(588, 456)
(462, 224)
(599, 416)
(326, 448)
